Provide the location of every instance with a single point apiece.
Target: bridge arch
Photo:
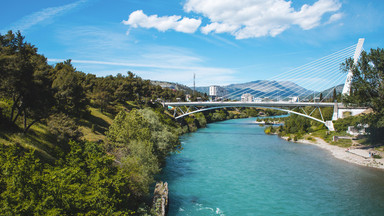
(274, 108)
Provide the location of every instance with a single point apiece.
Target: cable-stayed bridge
(297, 88)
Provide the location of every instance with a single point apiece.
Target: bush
(202, 122)
(267, 130)
(342, 124)
(270, 130)
(283, 133)
(63, 128)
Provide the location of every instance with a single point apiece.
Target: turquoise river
(233, 168)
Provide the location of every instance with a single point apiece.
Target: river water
(233, 168)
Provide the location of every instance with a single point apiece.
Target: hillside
(329, 92)
(171, 85)
(263, 87)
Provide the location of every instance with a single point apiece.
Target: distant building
(246, 97)
(257, 99)
(216, 92)
(267, 99)
(360, 130)
(188, 97)
(293, 99)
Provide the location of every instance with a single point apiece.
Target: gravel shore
(353, 155)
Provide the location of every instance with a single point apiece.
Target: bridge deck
(252, 104)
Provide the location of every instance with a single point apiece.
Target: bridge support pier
(335, 115)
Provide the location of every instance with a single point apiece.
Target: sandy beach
(353, 155)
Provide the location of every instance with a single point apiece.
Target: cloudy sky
(221, 41)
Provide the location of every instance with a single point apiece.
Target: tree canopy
(368, 89)
(24, 80)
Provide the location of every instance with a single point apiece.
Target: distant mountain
(204, 89)
(171, 85)
(329, 92)
(263, 88)
(257, 88)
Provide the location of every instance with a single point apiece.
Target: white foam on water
(219, 212)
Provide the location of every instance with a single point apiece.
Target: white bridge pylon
(195, 107)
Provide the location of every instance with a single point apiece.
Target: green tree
(69, 92)
(86, 181)
(63, 128)
(129, 139)
(334, 96)
(368, 89)
(24, 80)
(296, 124)
(164, 138)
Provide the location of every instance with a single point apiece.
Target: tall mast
(194, 84)
(348, 81)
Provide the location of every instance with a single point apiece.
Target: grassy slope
(101, 122)
(39, 139)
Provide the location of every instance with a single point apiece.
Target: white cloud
(211, 70)
(257, 18)
(43, 15)
(335, 17)
(310, 16)
(164, 23)
(156, 71)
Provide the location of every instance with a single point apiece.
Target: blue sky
(222, 41)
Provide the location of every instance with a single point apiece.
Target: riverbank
(354, 155)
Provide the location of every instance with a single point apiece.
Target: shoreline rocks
(160, 199)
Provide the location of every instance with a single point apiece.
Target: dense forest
(74, 143)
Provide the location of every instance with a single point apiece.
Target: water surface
(233, 168)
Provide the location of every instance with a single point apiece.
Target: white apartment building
(216, 91)
(246, 97)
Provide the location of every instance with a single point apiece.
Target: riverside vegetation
(75, 144)
(367, 91)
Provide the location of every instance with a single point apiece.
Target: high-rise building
(216, 92)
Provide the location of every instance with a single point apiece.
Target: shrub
(283, 133)
(267, 130)
(63, 128)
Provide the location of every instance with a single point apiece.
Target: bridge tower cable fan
(327, 66)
